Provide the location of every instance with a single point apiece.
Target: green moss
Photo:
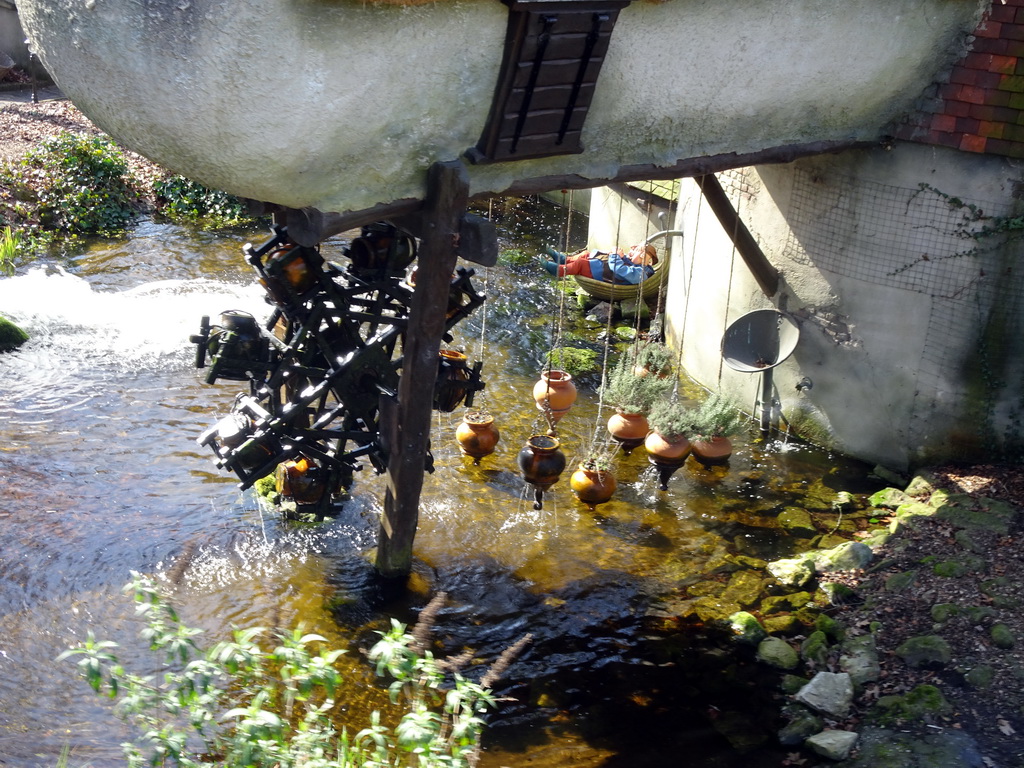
(11, 336)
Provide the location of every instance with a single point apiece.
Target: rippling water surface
(100, 475)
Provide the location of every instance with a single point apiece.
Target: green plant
(654, 357)
(71, 182)
(671, 419)
(630, 393)
(515, 257)
(716, 416)
(182, 199)
(10, 243)
(239, 705)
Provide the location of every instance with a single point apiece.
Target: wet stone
(782, 603)
(746, 628)
(744, 588)
(792, 572)
(796, 521)
(782, 625)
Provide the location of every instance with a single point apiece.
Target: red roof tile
(978, 106)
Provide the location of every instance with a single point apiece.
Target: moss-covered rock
(849, 556)
(814, 648)
(777, 653)
(859, 659)
(11, 336)
(922, 704)
(925, 652)
(943, 612)
(980, 676)
(744, 588)
(1002, 637)
(781, 603)
(792, 572)
(801, 723)
(796, 521)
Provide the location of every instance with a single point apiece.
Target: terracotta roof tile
(978, 105)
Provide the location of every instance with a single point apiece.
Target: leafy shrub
(71, 182)
(182, 199)
(239, 705)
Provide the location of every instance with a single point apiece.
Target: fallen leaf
(1005, 727)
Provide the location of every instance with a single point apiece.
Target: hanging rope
(483, 313)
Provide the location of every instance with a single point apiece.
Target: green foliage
(242, 705)
(10, 243)
(655, 357)
(573, 360)
(717, 416)
(182, 199)
(73, 183)
(672, 419)
(625, 390)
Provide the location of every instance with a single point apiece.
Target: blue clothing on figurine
(614, 267)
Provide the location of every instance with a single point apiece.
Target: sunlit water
(101, 476)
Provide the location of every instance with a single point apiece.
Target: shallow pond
(101, 476)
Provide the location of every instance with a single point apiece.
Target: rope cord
(481, 342)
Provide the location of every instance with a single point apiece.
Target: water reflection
(100, 475)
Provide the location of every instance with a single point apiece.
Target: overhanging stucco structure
(342, 106)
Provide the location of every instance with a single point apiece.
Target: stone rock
(835, 745)
(796, 521)
(801, 724)
(783, 603)
(859, 659)
(776, 652)
(889, 498)
(1002, 637)
(11, 336)
(925, 652)
(905, 514)
(830, 693)
(792, 572)
(923, 704)
(792, 683)
(744, 588)
(883, 748)
(943, 612)
(980, 677)
(846, 557)
(965, 511)
(815, 648)
(787, 624)
(746, 628)
(921, 485)
(832, 628)
(837, 594)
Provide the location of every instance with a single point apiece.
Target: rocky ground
(960, 577)
(960, 585)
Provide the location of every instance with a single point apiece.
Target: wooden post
(409, 434)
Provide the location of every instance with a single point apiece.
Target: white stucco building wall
(911, 331)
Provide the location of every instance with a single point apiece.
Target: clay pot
(666, 455)
(452, 375)
(477, 435)
(592, 486)
(628, 429)
(713, 451)
(299, 479)
(663, 451)
(554, 394)
(541, 461)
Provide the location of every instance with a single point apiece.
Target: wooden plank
(447, 195)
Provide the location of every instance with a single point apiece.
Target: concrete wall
(911, 331)
(12, 36)
(344, 105)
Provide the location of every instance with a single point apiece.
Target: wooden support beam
(310, 226)
(409, 430)
(764, 272)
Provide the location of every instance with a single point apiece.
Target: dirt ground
(994, 715)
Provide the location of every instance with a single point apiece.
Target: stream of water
(101, 475)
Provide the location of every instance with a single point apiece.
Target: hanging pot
(628, 429)
(453, 376)
(554, 394)
(667, 455)
(299, 479)
(541, 462)
(714, 450)
(477, 436)
(592, 486)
